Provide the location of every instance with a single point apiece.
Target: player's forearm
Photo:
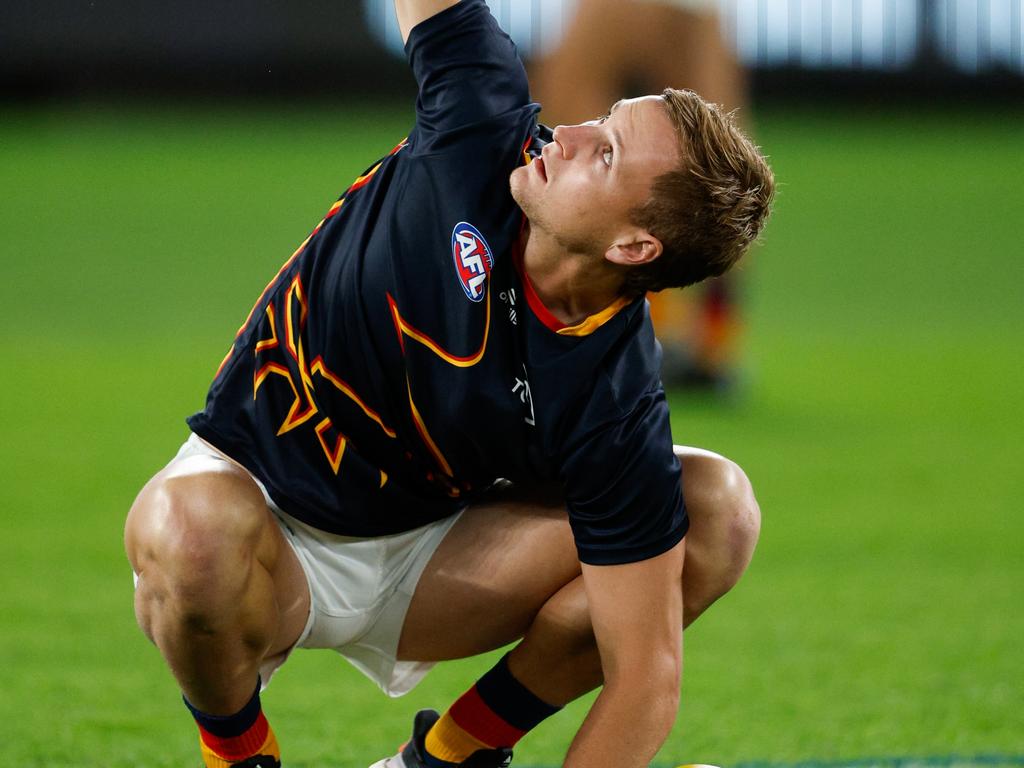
(629, 721)
(636, 610)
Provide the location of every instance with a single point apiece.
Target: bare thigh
(506, 558)
(490, 577)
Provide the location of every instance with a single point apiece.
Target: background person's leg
(615, 48)
(583, 76)
(700, 328)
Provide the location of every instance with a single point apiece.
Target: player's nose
(561, 136)
(569, 138)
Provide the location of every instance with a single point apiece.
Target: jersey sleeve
(622, 486)
(467, 69)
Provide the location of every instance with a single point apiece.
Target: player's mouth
(539, 163)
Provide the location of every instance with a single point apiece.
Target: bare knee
(190, 537)
(721, 500)
(725, 522)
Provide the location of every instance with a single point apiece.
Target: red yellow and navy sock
(496, 712)
(228, 740)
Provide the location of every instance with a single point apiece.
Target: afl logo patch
(473, 259)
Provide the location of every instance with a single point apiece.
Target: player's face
(588, 180)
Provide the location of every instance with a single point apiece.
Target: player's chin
(519, 183)
(519, 177)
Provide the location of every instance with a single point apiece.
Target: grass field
(881, 424)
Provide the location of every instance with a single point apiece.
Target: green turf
(881, 423)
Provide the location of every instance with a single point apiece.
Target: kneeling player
(441, 429)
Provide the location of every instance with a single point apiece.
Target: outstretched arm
(637, 614)
(412, 12)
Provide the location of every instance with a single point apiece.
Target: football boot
(412, 755)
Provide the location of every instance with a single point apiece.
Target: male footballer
(441, 430)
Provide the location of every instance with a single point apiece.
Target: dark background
(55, 49)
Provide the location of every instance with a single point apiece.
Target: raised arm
(637, 613)
(412, 12)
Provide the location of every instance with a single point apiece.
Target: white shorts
(360, 590)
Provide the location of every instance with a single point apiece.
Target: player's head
(711, 207)
(582, 191)
(665, 187)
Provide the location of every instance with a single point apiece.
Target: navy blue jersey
(400, 361)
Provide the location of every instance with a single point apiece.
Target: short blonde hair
(708, 210)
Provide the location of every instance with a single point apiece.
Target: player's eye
(607, 156)
(602, 119)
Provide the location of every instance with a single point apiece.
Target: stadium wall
(921, 49)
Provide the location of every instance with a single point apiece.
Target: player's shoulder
(631, 369)
(587, 383)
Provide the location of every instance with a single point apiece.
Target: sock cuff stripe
(481, 722)
(511, 700)
(238, 747)
(229, 726)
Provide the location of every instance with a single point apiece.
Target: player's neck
(572, 286)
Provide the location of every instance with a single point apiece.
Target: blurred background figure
(614, 48)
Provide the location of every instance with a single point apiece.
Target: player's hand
(412, 12)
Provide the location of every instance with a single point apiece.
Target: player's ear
(634, 248)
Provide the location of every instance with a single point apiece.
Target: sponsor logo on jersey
(473, 259)
(509, 297)
(522, 388)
